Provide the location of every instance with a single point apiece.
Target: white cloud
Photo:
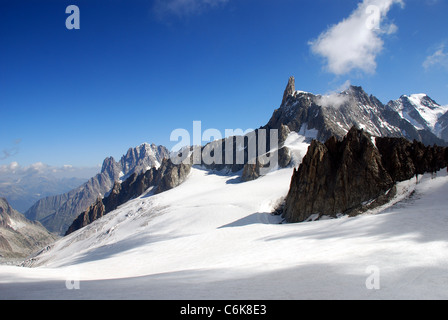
(183, 8)
(12, 167)
(355, 42)
(437, 59)
(334, 99)
(42, 169)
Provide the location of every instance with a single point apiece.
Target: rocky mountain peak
(423, 113)
(334, 114)
(356, 89)
(142, 158)
(290, 89)
(108, 165)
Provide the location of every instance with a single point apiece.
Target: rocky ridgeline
(57, 213)
(357, 173)
(334, 115)
(164, 178)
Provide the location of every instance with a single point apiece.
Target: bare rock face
(290, 89)
(170, 175)
(94, 212)
(251, 172)
(340, 176)
(20, 237)
(404, 159)
(336, 176)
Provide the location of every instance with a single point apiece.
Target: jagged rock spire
(290, 89)
(355, 174)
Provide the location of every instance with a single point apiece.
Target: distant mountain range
(57, 213)
(24, 186)
(414, 117)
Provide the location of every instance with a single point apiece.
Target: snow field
(213, 238)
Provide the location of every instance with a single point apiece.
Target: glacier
(212, 238)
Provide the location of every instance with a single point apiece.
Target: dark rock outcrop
(94, 212)
(404, 159)
(164, 178)
(340, 177)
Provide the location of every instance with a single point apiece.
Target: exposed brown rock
(340, 176)
(94, 212)
(290, 89)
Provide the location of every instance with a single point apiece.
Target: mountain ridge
(19, 237)
(162, 178)
(336, 113)
(56, 213)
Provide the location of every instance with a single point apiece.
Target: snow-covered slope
(212, 238)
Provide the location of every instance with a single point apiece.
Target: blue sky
(136, 70)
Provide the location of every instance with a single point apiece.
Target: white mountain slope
(212, 238)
